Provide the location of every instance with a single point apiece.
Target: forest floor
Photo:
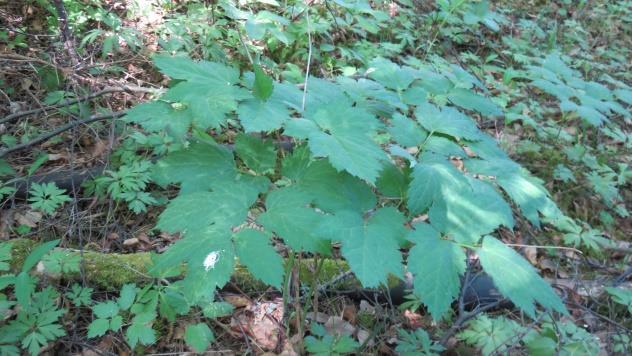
(68, 77)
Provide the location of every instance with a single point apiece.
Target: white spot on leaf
(211, 259)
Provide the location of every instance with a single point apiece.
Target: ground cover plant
(321, 177)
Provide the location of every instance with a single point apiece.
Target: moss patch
(110, 271)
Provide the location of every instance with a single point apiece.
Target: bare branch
(108, 90)
(60, 130)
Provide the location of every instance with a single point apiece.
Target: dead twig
(108, 90)
(60, 130)
(66, 35)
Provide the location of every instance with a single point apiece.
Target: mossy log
(110, 271)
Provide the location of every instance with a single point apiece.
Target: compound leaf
(472, 101)
(198, 336)
(447, 121)
(288, 216)
(262, 87)
(259, 155)
(197, 168)
(255, 251)
(256, 115)
(371, 247)
(437, 265)
(184, 68)
(516, 279)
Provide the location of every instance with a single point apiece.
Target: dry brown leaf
(458, 163)
(420, 218)
(363, 336)
(531, 253)
(131, 242)
(318, 317)
(7, 219)
(413, 320)
(98, 149)
(337, 326)
(26, 83)
(236, 300)
(29, 218)
(350, 313)
(262, 321)
(58, 157)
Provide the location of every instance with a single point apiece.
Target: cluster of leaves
(321, 343)
(371, 151)
(47, 197)
(460, 22)
(136, 310)
(38, 313)
(497, 335)
(333, 187)
(128, 184)
(107, 27)
(417, 342)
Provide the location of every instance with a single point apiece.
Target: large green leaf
(227, 204)
(342, 133)
(406, 132)
(391, 75)
(393, 181)
(210, 259)
(624, 95)
(184, 68)
(259, 155)
(209, 101)
(447, 121)
(443, 146)
(288, 215)
(295, 165)
(467, 214)
(471, 101)
(370, 247)
(262, 86)
(555, 64)
(330, 190)
(530, 195)
(198, 336)
(356, 154)
(256, 115)
(198, 167)
(437, 265)
(255, 252)
(516, 279)
(526, 191)
(433, 180)
(159, 116)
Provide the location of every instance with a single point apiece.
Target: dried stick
(108, 90)
(309, 58)
(66, 35)
(60, 130)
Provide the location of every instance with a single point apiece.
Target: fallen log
(110, 271)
